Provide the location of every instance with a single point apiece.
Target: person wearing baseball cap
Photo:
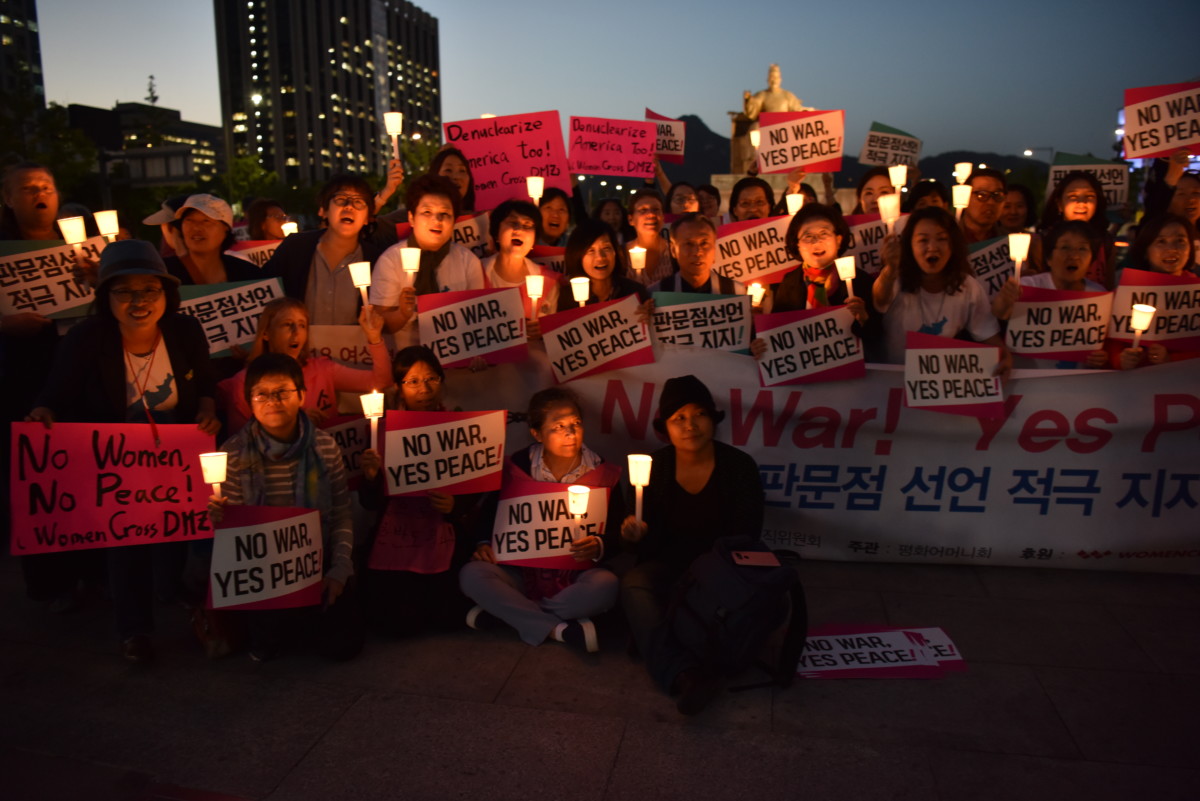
(204, 225)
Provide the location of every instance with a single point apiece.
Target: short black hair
(987, 172)
(272, 364)
(586, 233)
(1078, 227)
(544, 400)
(816, 211)
(499, 214)
(405, 358)
(431, 184)
(750, 182)
(468, 200)
(692, 218)
(957, 268)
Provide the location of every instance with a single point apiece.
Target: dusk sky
(996, 77)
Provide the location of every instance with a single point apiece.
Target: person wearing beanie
(700, 489)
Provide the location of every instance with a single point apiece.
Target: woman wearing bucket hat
(134, 360)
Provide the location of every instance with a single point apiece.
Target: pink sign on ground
(611, 147)
(504, 151)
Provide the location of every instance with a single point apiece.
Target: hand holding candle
(639, 477)
(213, 466)
(577, 504)
(846, 270)
(1018, 251)
(898, 174)
(393, 121)
(372, 404)
(889, 211)
(1139, 321)
(962, 198)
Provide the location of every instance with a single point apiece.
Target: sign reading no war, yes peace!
(458, 326)
(535, 528)
(809, 139)
(596, 338)
(266, 557)
(451, 452)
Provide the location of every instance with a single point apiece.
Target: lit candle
(360, 276)
(535, 185)
(581, 288)
(213, 466)
(534, 286)
(795, 202)
(637, 259)
(74, 233)
(755, 138)
(756, 294)
(410, 260)
(889, 210)
(290, 228)
(639, 477)
(108, 224)
(846, 270)
(962, 198)
(393, 121)
(962, 171)
(577, 503)
(899, 176)
(1139, 321)
(1018, 251)
(372, 405)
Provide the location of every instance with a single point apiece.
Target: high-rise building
(20, 48)
(305, 83)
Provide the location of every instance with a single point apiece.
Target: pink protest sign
(867, 652)
(504, 151)
(611, 147)
(1058, 324)
(808, 346)
(94, 485)
(809, 139)
(948, 375)
(671, 135)
(458, 326)
(1161, 119)
(535, 528)
(597, 338)
(451, 452)
(255, 251)
(866, 240)
(266, 557)
(353, 436)
(754, 250)
(1176, 299)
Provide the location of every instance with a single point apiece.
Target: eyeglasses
(985, 197)
(353, 201)
(278, 396)
(276, 216)
(135, 295)
(413, 383)
(562, 429)
(816, 238)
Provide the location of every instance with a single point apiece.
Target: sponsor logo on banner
(721, 322)
(1162, 119)
(96, 485)
(809, 139)
(886, 146)
(458, 326)
(452, 452)
(596, 338)
(1053, 324)
(42, 280)
(228, 312)
(611, 147)
(754, 251)
(810, 345)
(266, 557)
(504, 151)
(948, 375)
(671, 135)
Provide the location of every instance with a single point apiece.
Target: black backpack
(725, 613)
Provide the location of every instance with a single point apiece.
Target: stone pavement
(1080, 686)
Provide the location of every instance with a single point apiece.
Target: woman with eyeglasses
(420, 542)
(315, 265)
(283, 328)
(134, 360)
(549, 604)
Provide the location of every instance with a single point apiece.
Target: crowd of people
(407, 565)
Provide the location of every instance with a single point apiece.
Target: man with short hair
(694, 246)
(980, 217)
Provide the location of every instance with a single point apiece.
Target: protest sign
(809, 345)
(886, 146)
(596, 338)
(41, 279)
(870, 652)
(534, 526)
(703, 321)
(100, 485)
(754, 251)
(452, 452)
(809, 139)
(353, 436)
(670, 137)
(549, 256)
(504, 151)
(255, 251)
(611, 147)
(458, 326)
(1176, 299)
(1161, 119)
(949, 375)
(991, 264)
(1113, 176)
(344, 344)
(470, 231)
(866, 240)
(266, 557)
(228, 312)
(1054, 324)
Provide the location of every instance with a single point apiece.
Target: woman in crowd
(932, 291)
(555, 207)
(682, 198)
(513, 226)
(451, 164)
(544, 604)
(751, 199)
(875, 182)
(315, 265)
(135, 360)
(646, 217)
(445, 265)
(1071, 247)
(710, 201)
(205, 225)
(265, 219)
(1019, 213)
(1185, 200)
(610, 211)
(1078, 196)
(283, 328)
(700, 489)
(420, 542)
(281, 459)
(1165, 245)
(927, 193)
(593, 252)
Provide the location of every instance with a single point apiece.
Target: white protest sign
(1048, 324)
(670, 139)
(458, 326)
(472, 233)
(1113, 178)
(1161, 119)
(228, 312)
(596, 338)
(816, 345)
(1175, 298)
(866, 240)
(754, 250)
(936, 377)
(885, 654)
(809, 139)
(941, 647)
(702, 321)
(454, 452)
(534, 525)
(257, 252)
(267, 557)
(886, 146)
(990, 264)
(353, 436)
(42, 281)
